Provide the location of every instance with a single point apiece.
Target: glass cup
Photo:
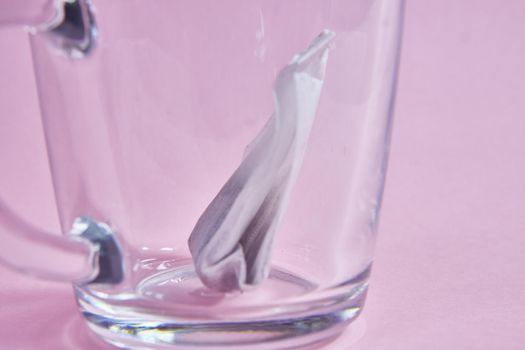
(148, 108)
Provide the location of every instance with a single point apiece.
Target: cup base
(170, 309)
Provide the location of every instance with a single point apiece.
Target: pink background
(450, 267)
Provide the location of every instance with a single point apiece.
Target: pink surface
(450, 267)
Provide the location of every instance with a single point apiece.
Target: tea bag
(232, 240)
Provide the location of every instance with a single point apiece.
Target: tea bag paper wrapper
(232, 240)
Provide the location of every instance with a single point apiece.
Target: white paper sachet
(232, 241)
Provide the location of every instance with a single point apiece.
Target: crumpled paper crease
(232, 241)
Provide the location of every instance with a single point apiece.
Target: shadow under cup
(146, 128)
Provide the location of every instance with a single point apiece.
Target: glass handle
(33, 251)
(69, 24)
(26, 12)
(90, 252)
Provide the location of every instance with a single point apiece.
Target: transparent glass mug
(148, 107)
